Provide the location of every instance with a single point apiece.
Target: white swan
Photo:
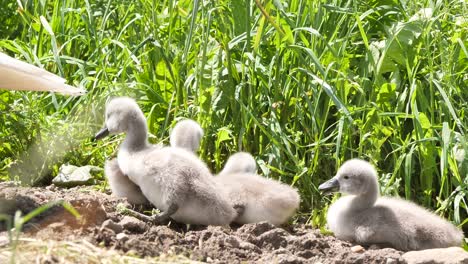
(172, 179)
(365, 218)
(19, 75)
(261, 199)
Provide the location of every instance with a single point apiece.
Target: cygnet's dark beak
(102, 134)
(330, 186)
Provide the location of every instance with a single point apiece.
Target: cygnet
(260, 198)
(172, 179)
(240, 162)
(121, 185)
(19, 75)
(186, 134)
(364, 217)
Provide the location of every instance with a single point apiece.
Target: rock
(249, 246)
(132, 224)
(357, 249)
(282, 259)
(122, 237)
(231, 242)
(273, 239)
(117, 228)
(70, 176)
(162, 233)
(452, 255)
(307, 254)
(255, 229)
(306, 241)
(51, 188)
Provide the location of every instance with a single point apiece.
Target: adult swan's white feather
(19, 75)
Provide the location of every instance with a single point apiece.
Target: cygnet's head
(186, 134)
(121, 114)
(354, 177)
(240, 162)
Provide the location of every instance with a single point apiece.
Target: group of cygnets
(180, 185)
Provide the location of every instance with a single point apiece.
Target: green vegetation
(302, 85)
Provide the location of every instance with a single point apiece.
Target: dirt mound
(102, 224)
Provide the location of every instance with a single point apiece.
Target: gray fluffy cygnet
(186, 134)
(364, 217)
(172, 179)
(262, 199)
(240, 162)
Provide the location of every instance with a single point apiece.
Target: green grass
(302, 85)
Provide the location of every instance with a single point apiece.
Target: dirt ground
(103, 226)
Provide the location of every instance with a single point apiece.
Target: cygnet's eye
(346, 177)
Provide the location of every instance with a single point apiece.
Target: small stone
(391, 261)
(307, 254)
(232, 242)
(70, 176)
(255, 229)
(163, 233)
(132, 224)
(275, 238)
(282, 259)
(249, 246)
(306, 241)
(452, 255)
(357, 249)
(122, 237)
(280, 251)
(109, 224)
(51, 188)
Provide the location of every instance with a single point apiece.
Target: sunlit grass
(302, 85)
(45, 251)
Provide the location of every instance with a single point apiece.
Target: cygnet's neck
(137, 136)
(368, 198)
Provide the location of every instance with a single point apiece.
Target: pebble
(132, 224)
(122, 237)
(109, 224)
(357, 249)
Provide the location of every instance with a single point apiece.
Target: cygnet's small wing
(240, 162)
(19, 75)
(121, 185)
(186, 134)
